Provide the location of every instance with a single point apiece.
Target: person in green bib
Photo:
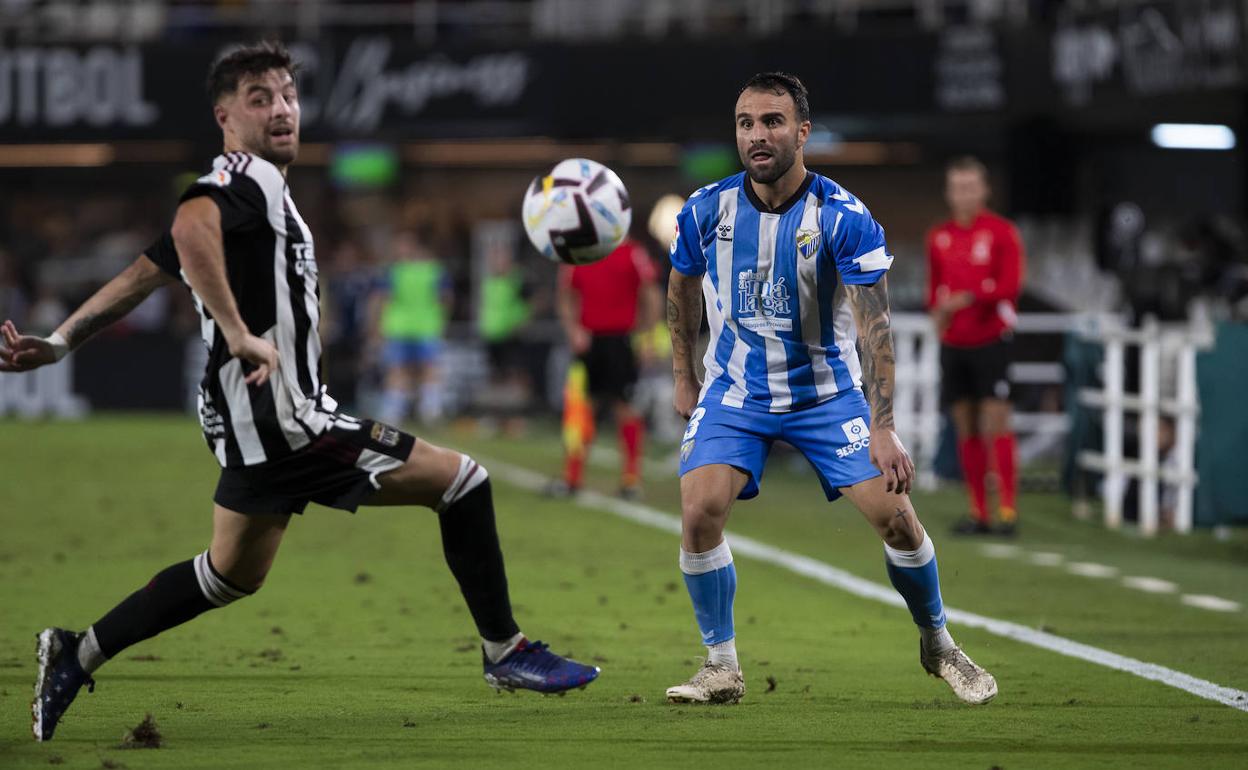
(415, 302)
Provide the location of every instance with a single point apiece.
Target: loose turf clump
(145, 735)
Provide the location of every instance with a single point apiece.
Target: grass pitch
(359, 652)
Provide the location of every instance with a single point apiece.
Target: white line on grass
(1091, 569)
(839, 578)
(1150, 585)
(1206, 602)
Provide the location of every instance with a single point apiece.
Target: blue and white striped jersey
(782, 330)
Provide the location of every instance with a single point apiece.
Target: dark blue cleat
(532, 666)
(60, 679)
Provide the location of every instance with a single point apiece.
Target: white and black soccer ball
(578, 212)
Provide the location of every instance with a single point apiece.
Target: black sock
(173, 597)
(470, 543)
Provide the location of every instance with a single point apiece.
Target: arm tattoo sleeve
(875, 335)
(684, 321)
(90, 323)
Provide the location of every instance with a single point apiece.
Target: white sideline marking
(1206, 602)
(1091, 569)
(839, 578)
(1151, 585)
(1000, 551)
(1046, 559)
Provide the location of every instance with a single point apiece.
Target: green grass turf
(358, 652)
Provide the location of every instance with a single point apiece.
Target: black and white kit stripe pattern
(272, 272)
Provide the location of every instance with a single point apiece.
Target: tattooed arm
(875, 336)
(684, 321)
(113, 301)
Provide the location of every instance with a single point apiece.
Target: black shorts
(971, 374)
(610, 367)
(339, 469)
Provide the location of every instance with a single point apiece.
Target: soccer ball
(578, 212)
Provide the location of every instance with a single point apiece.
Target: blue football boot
(60, 679)
(532, 666)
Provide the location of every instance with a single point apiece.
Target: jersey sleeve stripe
(877, 259)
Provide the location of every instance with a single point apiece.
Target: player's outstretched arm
(201, 251)
(20, 353)
(875, 336)
(684, 321)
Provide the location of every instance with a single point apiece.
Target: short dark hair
(967, 163)
(247, 60)
(781, 82)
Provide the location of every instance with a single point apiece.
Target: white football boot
(969, 681)
(712, 684)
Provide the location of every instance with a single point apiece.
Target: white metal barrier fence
(1167, 363)
(916, 402)
(1165, 352)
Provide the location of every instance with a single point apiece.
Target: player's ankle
(936, 640)
(496, 651)
(89, 655)
(723, 654)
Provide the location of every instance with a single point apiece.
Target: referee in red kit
(600, 305)
(976, 267)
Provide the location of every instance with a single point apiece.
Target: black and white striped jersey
(272, 272)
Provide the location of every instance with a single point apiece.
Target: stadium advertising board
(390, 87)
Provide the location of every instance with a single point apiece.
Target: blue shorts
(834, 437)
(403, 352)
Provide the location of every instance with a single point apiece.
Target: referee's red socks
(973, 456)
(631, 434)
(1005, 452)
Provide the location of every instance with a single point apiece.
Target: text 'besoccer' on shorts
(834, 437)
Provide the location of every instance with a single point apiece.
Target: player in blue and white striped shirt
(792, 270)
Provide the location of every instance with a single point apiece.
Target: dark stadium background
(433, 116)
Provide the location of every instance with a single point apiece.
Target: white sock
(496, 651)
(724, 654)
(90, 657)
(936, 639)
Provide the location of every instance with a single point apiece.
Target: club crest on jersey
(763, 304)
(385, 435)
(725, 232)
(808, 243)
(220, 178)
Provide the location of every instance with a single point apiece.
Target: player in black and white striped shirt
(239, 244)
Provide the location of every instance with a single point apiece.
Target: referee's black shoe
(971, 526)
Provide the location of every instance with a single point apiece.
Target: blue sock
(711, 579)
(913, 574)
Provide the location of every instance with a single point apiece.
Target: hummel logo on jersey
(857, 434)
(725, 232)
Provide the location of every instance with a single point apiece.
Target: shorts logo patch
(1001, 389)
(858, 435)
(686, 449)
(856, 429)
(385, 435)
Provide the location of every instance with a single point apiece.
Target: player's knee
(227, 583)
(468, 475)
(703, 518)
